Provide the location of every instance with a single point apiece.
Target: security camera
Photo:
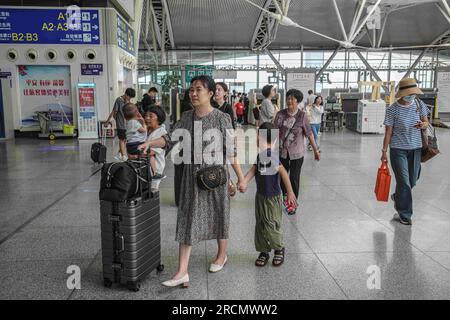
(90, 54)
(70, 55)
(51, 55)
(12, 55)
(32, 55)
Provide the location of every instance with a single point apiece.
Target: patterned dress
(202, 215)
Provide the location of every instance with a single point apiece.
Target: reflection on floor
(49, 220)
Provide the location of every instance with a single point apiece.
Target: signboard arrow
(95, 37)
(95, 27)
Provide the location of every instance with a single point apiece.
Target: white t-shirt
(133, 135)
(315, 114)
(310, 99)
(159, 152)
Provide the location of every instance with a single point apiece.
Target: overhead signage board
(196, 70)
(125, 36)
(225, 74)
(49, 26)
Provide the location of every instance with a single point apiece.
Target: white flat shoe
(184, 282)
(217, 267)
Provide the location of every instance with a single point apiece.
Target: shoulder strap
(419, 106)
(192, 137)
(297, 116)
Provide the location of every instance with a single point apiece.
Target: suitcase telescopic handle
(149, 175)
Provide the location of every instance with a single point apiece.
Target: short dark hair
(268, 127)
(130, 92)
(160, 114)
(297, 94)
(223, 85)
(153, 89)
(207, 82)
(129, 111)
(266, 90)
(310, 91)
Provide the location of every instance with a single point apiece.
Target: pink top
(294, 144)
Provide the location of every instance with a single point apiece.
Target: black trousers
(294, 168)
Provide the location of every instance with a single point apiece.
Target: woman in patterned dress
(202, 215)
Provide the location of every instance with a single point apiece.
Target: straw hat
(406, 87)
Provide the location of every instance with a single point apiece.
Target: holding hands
(242, 186)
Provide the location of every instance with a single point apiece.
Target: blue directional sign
(50, 26)
(125, 36)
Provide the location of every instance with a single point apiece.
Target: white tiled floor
(49, 220)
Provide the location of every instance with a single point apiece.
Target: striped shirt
(403, 119)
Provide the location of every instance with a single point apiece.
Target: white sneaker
(217, 267)
(124, 158)
(118, 157)
(184, 282)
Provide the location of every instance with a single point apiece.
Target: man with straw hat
(403, 120)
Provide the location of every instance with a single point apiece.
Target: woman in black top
(222, 105)
(186, 102)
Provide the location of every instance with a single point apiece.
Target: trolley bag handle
(102, 132)
(141, 175)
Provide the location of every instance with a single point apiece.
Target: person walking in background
(294, 128)
(240, 112)
(267, 110)
(403, 120)
(310, 99)
(236, 101)
(149, 99)
(220, 98)
(246, 102)
(315, 112)
(117, 114)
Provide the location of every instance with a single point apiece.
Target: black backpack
(123, 180)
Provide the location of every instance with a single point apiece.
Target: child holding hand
(268, 172)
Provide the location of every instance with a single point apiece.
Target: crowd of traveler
(205, 214)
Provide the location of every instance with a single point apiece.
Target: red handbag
(383, 184)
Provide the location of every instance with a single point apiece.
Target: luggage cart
(53, 126)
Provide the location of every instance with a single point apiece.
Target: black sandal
(262, 259)
(278, 257)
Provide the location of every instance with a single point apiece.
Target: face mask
(409, 99)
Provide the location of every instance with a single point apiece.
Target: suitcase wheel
(134, 286)
(160, 268)
(107, 283)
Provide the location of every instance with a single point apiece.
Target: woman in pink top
(293, 128)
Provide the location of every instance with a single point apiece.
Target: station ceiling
(231, 24)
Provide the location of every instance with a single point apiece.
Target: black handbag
(211, 177)
(121, 181)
